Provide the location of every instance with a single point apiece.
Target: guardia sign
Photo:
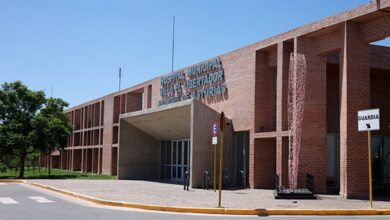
(368, 120)
(204, 80)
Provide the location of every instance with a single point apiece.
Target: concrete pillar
(313, 152)
(355, 95)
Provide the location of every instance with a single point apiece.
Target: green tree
(18, 107)
(52, 127)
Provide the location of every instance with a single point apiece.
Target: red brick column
(313, 144)
(283, 57)
(251, 160)
(355, 95)
(107, 135)
(263, 151)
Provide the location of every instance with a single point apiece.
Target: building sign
(204, 80)
(368, 120)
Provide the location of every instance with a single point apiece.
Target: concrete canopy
(163, 123)
(140, 135)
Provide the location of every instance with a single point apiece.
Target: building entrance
(333, 163)
(175, 159)
(242, 158)
(380, 157)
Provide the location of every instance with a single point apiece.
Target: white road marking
(40, 199)
(7, 200)
(2, 184)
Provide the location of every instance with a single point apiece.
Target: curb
(226, 211)
(13, 181)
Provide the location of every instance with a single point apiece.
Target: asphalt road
(24, 202)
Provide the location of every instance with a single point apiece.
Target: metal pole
(120, 77)
(215, 167)
(369, 166)
(173, 42)
(222, 123)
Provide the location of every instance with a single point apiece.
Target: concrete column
(355, 95)
(313, 152)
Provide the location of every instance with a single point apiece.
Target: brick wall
(265, 164)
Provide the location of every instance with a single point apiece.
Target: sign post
(221, 127)
(370, 166)
(368, 120)
(215, 142)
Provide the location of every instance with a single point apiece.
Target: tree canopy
(30, 122)
(51, 127)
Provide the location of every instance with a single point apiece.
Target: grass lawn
(30, 173)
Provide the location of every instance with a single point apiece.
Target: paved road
(19, 201)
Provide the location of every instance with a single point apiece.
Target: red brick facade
(344, 74)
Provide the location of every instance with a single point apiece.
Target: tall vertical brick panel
(107, 135)
(355, 96)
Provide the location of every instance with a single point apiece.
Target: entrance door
(175, 160)
(380, 159)
(333, 163)
(242, 158)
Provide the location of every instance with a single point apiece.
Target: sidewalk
(163, 194)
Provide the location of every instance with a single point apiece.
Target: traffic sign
(215, 129)
(368, 120)
(214, 140)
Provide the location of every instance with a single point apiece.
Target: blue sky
(76, 47)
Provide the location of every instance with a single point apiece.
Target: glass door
(175, 160)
